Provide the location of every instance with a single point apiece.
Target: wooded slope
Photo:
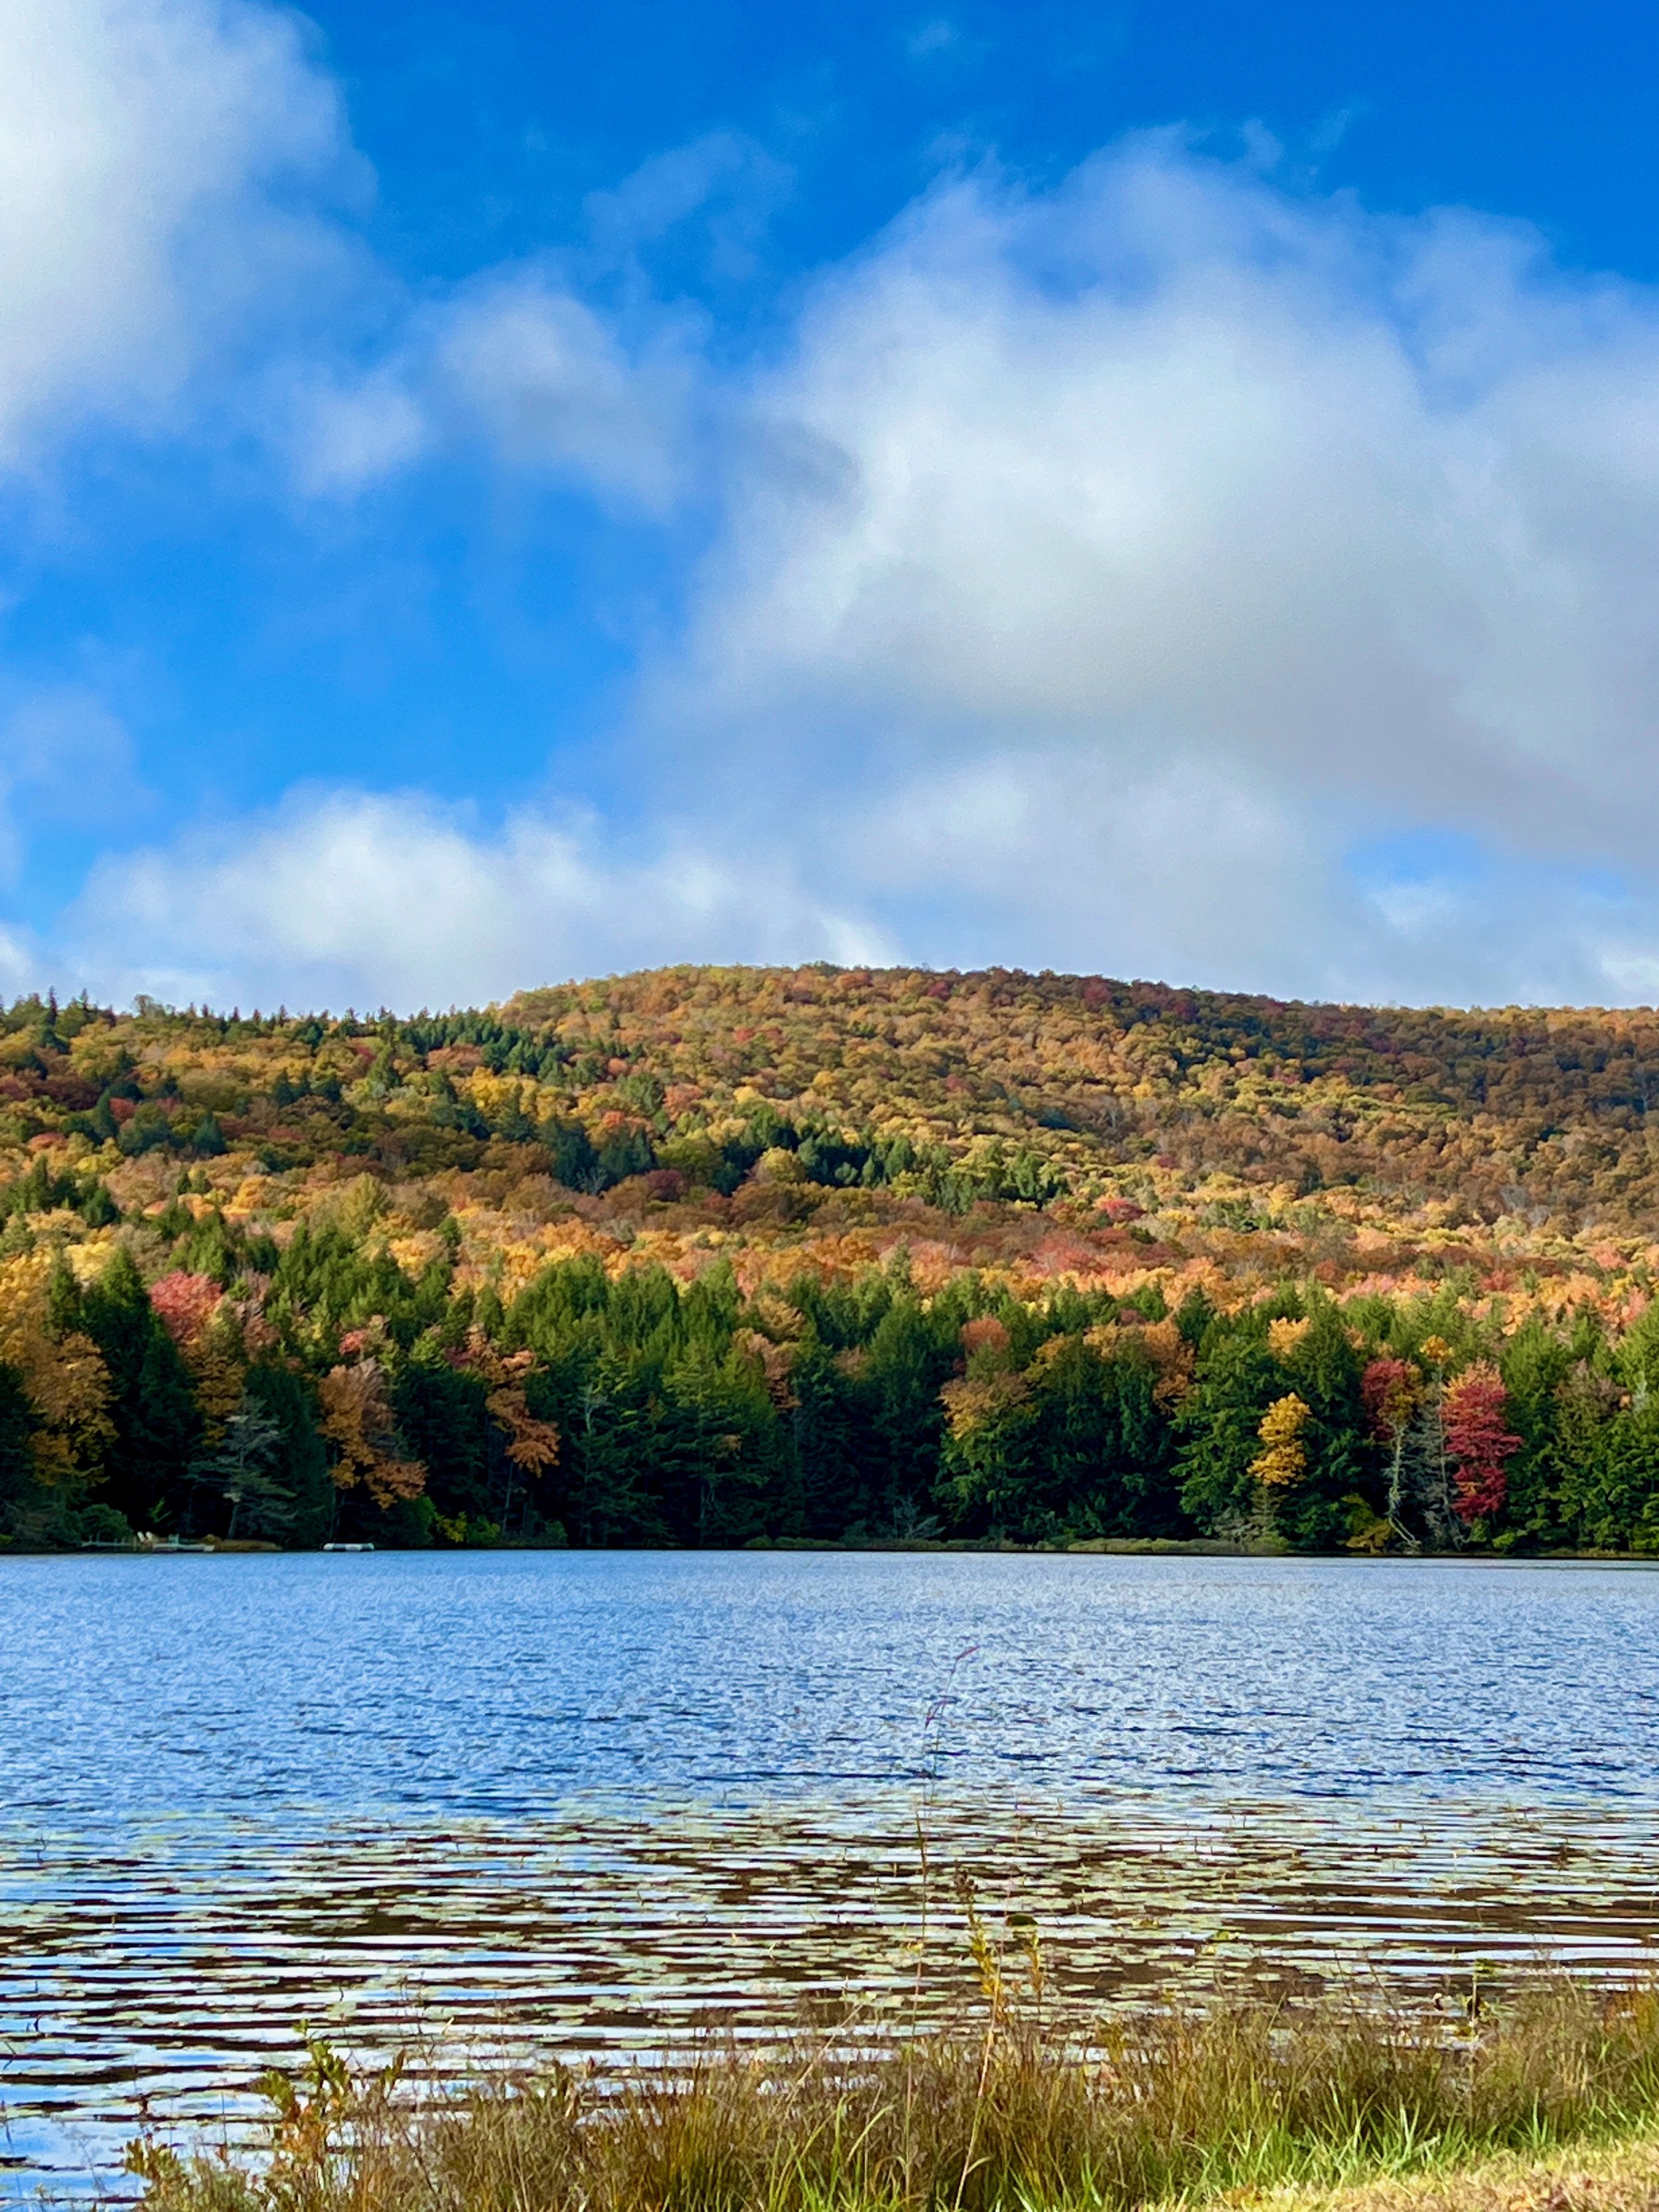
(712, 1254)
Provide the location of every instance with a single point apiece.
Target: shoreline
(1094, 1546)
(1341, 2104)
(1610, 2172)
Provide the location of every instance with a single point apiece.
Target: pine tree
(157, 1430)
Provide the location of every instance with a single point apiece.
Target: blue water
(573, 1801)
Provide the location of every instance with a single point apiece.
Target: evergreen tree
(157, 1427)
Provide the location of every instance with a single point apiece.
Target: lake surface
(526, 1802)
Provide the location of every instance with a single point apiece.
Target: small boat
(348, 1547)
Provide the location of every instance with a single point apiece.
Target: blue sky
(498, 493)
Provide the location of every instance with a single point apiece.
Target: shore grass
(1622, 2176)
(1008, 2109)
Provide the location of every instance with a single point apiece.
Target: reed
(1006, 2108)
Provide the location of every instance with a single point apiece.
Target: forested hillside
(737, 1256)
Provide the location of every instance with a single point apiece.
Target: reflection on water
(573, 1802)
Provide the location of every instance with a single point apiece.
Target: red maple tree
(1477, 1442)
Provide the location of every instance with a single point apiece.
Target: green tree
(240, 1475)
(300, 1464)
(157, 1427)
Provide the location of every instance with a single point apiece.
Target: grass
(1615, 2177)
(1008, 2108)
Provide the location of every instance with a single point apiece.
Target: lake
(516, 1803)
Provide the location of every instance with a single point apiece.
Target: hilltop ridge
(736, 1255)
(1218, 1111)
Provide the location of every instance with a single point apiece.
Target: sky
(498, 493)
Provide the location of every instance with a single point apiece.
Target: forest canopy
(739, 1256)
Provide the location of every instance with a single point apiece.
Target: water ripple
(571, 1803)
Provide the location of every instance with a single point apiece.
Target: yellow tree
(1283, 1459)
(1280, 1465)
(63, 1377)
(357, 1420)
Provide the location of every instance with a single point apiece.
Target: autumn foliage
(358, 1421)
(1389, 1389)
(757, 1255)
(1479, 1444)
(1283, 1458)
(185, 1302)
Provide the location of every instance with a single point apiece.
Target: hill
(357, 1252)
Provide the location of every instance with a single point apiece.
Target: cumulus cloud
(344, 897)
(1289, 529)
(517, 365)
(150, 152)
(1199, 872)
(516, 362)
(1171, 572)
(352, 897)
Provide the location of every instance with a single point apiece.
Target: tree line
(322, 1391)
(724, 1256)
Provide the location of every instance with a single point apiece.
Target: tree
(990, 1417)
(1426, 1491)
(156, 1426)
(529, 1446)
(1390, 1390)
(440, 1412)
(64, 1385)
(300, 1463)
(242, 1470)
(1237, 1378)
(24, 1503)
(1479, 1444)
(570, 1151)
(1283, 1459)
(185, 1304)
(357, 1420)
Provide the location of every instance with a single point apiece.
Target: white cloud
(517, 364)
(350, 897)
(148, 150)
(551, 386)
(22, 967)
(1202, 486)
(345, 432)
(1193, 870)
(991, 861)
(937, 36)
(1139, 575)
